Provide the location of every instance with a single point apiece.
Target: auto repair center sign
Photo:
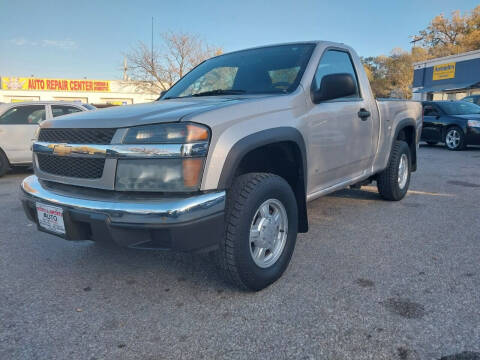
(42, 84)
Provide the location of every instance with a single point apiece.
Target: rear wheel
(261, 230)
(393, 182)
(455, 139)
(4, 164)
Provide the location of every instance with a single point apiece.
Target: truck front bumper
(190, 223)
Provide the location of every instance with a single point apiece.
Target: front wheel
(455, 139)
(260, 232)
(393, 182)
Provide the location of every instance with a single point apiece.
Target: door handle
(363, 114)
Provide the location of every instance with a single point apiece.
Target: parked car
(227, 159)
(454, 123)
(473, 99)
(18, 124)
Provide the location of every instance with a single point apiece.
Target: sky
(77, 39)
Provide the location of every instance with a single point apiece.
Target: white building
(96, 92)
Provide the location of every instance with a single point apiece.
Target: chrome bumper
(130, 210)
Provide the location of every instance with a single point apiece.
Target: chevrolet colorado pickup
(226, 159)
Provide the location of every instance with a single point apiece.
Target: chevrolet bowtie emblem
(62, 150)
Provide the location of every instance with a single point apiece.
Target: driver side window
(335, 62)
(430, 111)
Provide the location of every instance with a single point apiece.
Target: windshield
(459, 108)
(268, 70)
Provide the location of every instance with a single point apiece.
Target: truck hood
(141, 114)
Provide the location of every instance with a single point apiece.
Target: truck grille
(76, 167)
(77, 136)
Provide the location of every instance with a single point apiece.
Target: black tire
(431, 143)
(248, 192)
(455, 146)
(387, 181)
(4, 164)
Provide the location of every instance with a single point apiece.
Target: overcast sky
(73, 39)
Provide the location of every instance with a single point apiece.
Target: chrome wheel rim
(452, 139)
(403, 171)
(268, 233)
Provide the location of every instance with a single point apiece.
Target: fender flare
(256, 140)
(266, 137)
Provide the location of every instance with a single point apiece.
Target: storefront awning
(447, 87)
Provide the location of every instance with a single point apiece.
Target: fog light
(162, 175)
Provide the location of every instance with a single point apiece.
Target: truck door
(340, 131)
(17, 129)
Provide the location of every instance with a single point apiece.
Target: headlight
(176, 133)
(473, 123)
(178, 171)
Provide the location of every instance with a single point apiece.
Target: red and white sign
(51, 218)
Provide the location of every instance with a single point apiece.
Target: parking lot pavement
(371, 280)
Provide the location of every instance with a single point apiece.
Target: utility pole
(125, 69)
(152, 41)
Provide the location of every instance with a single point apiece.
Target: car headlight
(177, 171)
(174, 133)
(473, 123)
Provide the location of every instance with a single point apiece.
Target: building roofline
(441, 60)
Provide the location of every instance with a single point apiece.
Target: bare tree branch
(157, 72)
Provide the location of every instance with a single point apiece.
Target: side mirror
(161, 94)
(335, 86)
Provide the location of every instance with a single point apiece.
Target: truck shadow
(164, 270)
(356, 194)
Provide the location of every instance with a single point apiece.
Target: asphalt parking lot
(371, 280)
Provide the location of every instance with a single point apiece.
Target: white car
(18, 124)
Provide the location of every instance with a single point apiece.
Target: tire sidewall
(252, 275)
(404, 149)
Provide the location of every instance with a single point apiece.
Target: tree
(157, 71)
(448, 36)
(392, 75)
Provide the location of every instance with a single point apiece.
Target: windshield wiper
(209, 93)
(219, 92)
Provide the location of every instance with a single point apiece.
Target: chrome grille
(77, 167)
(77, 136)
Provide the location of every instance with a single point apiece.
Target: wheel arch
(4, 155)
(262, 151)
(446, 127)
(406, 131)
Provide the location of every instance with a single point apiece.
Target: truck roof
(311, 42)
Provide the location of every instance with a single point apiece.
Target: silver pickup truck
(225, 160)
